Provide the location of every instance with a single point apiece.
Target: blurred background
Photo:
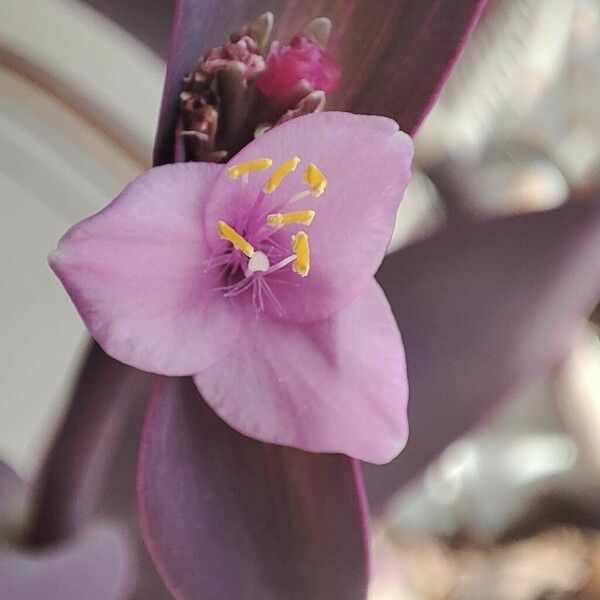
(510, 512)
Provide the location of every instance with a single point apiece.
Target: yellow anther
(231, 235)
(301, 264)
(302, 217)
(258, 164)
(287, 166)
(315, 179)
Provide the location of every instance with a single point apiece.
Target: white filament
(259, 261)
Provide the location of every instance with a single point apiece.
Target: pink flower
(264, 291)
(303, 60)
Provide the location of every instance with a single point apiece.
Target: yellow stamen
(302, 217)
(287, 166)
(258, 164)
(231, 235)
(300, 248)
(315, 179)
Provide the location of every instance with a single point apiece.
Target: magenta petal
(95, 566)
(484, 308)
(228, 517)
(137, 274)
(366, 161)
(337, 385)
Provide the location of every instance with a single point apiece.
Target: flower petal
(332, 386)
(485, 308)
(225, 516)
(136, 272)
(366, 161)
(95, 566)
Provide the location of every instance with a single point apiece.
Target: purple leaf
(118, 502)
(74, 473)
(484, 308)
(395, 54)
(12, 496)
(90, 469)
(225, 516)
(96, 566)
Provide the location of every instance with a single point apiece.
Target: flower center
(255, 249)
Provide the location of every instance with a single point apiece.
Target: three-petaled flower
(256, 277)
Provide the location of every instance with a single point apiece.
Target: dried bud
(201, 136)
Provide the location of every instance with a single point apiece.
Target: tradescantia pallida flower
(270, 521)
(258, 281)
(273, 522)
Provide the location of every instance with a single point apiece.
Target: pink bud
(302, 60)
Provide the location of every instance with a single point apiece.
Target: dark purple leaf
(96, 565)
(395, 54)
(74, 474)
(118, 502)
(484, 308)
(148, 21)
(90, 469)
(12, 496)
(225, 516)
